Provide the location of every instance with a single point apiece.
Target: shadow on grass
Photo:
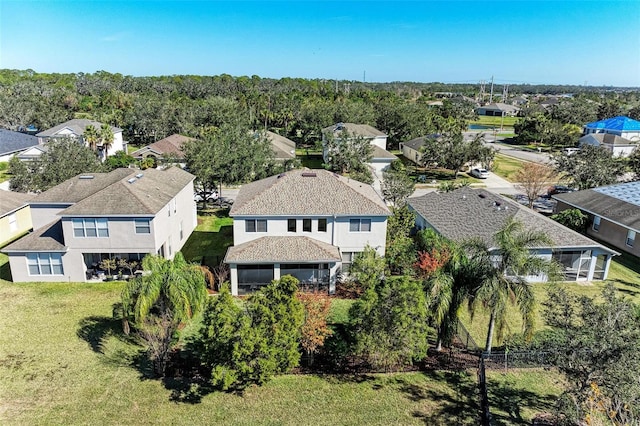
(185, 377)
(5, 272)
(460, 405)
(506, 403)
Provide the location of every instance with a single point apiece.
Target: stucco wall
(22, 225)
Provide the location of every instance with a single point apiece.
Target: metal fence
(465, 338)
(518, 359)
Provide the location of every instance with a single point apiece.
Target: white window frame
(631, 238)
(139, 226)
(13, 222)
(44, 262)
(360, 223)
(88, 224)
(596, 223)
(256, 225)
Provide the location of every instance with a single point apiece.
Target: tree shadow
(460, 405)
(5, 271)
(506, 403)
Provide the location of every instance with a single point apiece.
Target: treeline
(150, 108)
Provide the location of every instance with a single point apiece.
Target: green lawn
(4, 166)
(506, 167)
(210, 239)
(624, 273)
(64, 360)
(495, 121)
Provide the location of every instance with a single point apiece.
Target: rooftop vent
(132, 180)
(139, 175)
(281, 175)
(339, 126)
(85, 177)
(481, 195)
(309, 174)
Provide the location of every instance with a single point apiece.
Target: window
(169, 241)
(360, 225)
(44, 263)
(631, 237)
(181, 232)
(13, 222)
(322, 225)
(347, 259)
(596, 223)
(306, 225)
(90, 227)
(291, 225)
(255, 225)
(143, 226)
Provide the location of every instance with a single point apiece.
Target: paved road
(510, 150)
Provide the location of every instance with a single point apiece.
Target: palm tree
(511, 262)
(90, 136)
(106, 138)
(165, 296)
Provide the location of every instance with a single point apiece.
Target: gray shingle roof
(282, 249)
(47, 238)
(10, 201)
(623, 212)
(379, 153)
(469, 213)
(606, 138)
(112, 193)
(11, 142)
(418, 143)
(308, 192)
(355, 129)
(77, 126)
(283, 148)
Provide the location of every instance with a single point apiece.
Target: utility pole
(491, 95)
(505, 93)
(481, 94)
(364, 76)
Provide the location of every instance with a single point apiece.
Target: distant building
(13, 143)
(15, 215)
(411, 149)
(75, 129)
(618, 145)
(171, 146)
(283, 148)
(498, 110)
(624, 127)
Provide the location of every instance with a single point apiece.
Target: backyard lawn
(495, 121)
(211, 238)
(63, 360)
(506, 167)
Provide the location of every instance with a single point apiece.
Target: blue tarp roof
(619, 123)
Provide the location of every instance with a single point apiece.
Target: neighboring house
(519, 101)
(12, 143)
(284, 149)
(411, 149)
(618, 145)
(75, 129)
(614, 213)
(498, 110)
(621, 126)
(468, 213)
(305, 223)
(123, 214)
(171, 146)
(381, 157)
(15, 215)
(32, 153)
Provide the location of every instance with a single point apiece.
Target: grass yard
(506, 167)
(4, 166)
(211, 238)
(63, 360)
(495, 121)
(624, 273)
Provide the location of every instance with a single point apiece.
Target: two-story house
(381, 157)
(75, 129)
(124, 214)
(305, 223)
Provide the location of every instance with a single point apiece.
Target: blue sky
(554, 42)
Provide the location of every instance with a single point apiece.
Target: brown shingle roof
(382, 153)
(308, 192)
(113, 194)
(282, 249)
(11, 201)
(170, 145)
(47, 238)
(469, 213)
(283, 148)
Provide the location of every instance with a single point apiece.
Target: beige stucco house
(123, 214)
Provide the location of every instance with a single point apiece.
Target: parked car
(210, 197)
(480, 173)
(558, 189)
